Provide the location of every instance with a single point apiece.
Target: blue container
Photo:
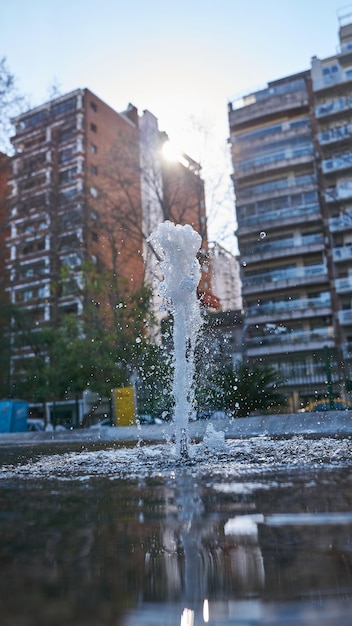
(13, 416)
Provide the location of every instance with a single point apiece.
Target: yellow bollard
(123, 403)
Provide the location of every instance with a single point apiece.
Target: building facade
(332, 87)
(293, 175)
(225, 277)
(88, 186)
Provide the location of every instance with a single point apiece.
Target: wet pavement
(104, 534)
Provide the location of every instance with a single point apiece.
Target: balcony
(343, 285)
(333, 107)
(291, 309)
(288, 342)
(345, 317)
(335, 134)
(280, 278)
(343, 253)
(341, 222)
(331, 80)
(283, 247)
(345, 55)
(265, 104)
(288, 214)
(304, 183)
(343, 191)
(337, 163)
(284, 159)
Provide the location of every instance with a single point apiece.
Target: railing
(278, 186)
(342, 192)
(337, 163)
(332, 79)
(278, 214)
(264, 246)
(335, 134)
(345, 317)
(269, 159)
(285, 274)
(334, 106)
(268, 308)
(341, 222)
(343, 284)
(342, 253)
(292, 338)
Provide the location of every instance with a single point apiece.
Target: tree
(11, 103)
(149, 189)
(153, 369)
(245, 389)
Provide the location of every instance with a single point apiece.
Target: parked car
(324, 405)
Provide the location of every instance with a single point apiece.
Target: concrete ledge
(328, 423)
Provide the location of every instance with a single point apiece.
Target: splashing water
(177, 247)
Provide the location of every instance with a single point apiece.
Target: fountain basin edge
(329, 424)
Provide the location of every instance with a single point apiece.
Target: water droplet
(244, 263)
(138, 340)
(262, 235)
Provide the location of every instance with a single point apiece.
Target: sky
(183, 61)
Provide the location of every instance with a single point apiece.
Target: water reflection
(189, 547)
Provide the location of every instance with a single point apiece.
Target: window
(38, 139)
(63, 107)
(94, 236)
(33, 181)
(94, 107)
(93, 128)
(69, 241)
(30, 271)
(66, 155)
(33, 246)
(94, 169)
(93, 148)
(33, 120)
(73, 260)
(67, 194)
(28, 228)
(94, 192)
(27, 295)
(67, 176)
(66, 134)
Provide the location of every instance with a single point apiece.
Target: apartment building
(83, 176)
(293, 181)
(225, 277)
(332, 87)
(283, 256)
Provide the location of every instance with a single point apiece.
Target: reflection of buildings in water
(202, 558)
(247, 563)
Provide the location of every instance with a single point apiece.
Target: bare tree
(148, 189)
(11, 104)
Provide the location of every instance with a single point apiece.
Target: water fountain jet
(177, 247)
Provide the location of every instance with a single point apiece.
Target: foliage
(153, 370)
(245, 389)
(11, 103)
(98, 352)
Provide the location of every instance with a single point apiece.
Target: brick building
(88, 186)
